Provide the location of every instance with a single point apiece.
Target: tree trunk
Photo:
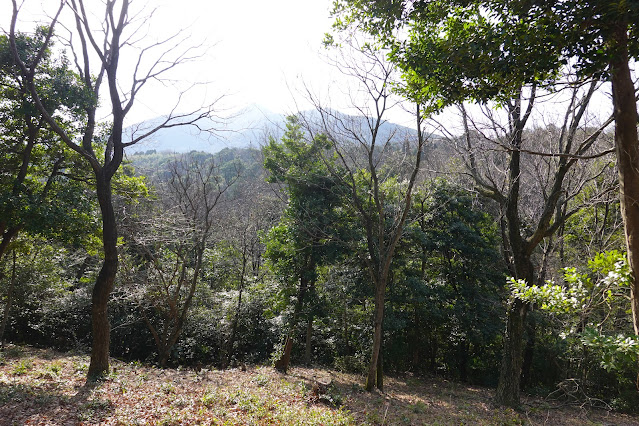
(346, 331)
(510, 372)
(7, 237)
(226, 359)
(512, 357)
(414, 340)
(510, 369)
(627, 149)
(283, 362)
(163, 357)
(529, 352)
(100, 326)
(7, 306)
(462, 360)
(309, 347)
(380, 369)
(378, 315)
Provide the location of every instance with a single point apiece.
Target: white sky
(261, 51)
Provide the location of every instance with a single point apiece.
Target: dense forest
(489, 250)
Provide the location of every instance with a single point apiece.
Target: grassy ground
(48, 388)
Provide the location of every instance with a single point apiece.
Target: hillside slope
(45, 387)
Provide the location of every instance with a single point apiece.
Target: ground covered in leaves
(42, 387)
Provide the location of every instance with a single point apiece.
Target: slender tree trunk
(229, 347)
(346, 331)
(100, 326)
(309, 347)
(163, 343)
(283, 362)
(627, 148)
(7, 306)
(462, 359)
(378, 315)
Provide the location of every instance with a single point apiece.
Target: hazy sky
(261, 51)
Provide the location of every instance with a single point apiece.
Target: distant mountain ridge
(246, 129)
(249, 128)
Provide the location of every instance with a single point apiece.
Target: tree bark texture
(529, 351)
(380, 369)
(627, 150)
(511, 363)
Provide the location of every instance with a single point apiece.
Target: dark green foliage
(306, 236)
(43, 183)
(348, 292)
(47, 309)
(446, 291)
(451, 51)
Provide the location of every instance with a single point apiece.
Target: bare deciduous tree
(97, 45)
(172, 240)
(378, 166)
(533, 178)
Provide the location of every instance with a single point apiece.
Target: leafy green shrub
(588, 314)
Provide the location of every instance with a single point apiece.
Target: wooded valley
(488, 245)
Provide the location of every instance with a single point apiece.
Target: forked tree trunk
(163, 357)
(160, 341)
(100, 326)
(512, 356)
